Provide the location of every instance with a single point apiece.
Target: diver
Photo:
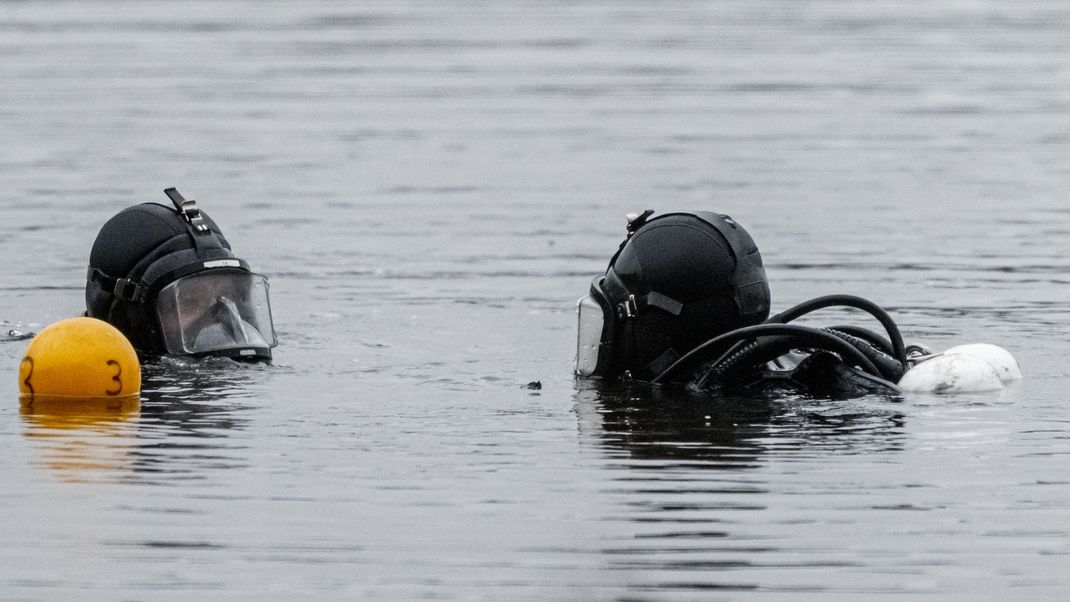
(168, 280)
(685, 301)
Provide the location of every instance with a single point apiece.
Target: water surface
(430, 187)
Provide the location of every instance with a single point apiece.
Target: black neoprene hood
(139, 232)
(136, 253)
(690, 276)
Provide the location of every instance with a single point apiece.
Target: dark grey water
(431, 186)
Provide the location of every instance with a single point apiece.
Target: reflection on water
(198, 397)
(189, 409)
(677, 428)
(690, 475)
(189, 413)
(84, 444)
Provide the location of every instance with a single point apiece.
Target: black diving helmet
(677, 280)
(169, 281)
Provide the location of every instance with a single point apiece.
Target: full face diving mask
(595, 332)
(218, 311)
(189, 295)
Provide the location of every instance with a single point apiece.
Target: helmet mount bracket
(636, 220)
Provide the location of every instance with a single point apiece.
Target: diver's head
(678, 280)
(166, 278)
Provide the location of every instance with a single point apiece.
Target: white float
(963, 369)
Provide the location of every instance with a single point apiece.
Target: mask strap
(130, 290)
(661, 363)
(627, 311)
(203, 237)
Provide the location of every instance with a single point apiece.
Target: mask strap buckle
(628, 309)
(188, 209)
(128, 289)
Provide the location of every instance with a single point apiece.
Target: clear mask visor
(588, 335)
(216, 310)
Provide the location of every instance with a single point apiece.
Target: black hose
(868, 336)
(742, 357)
(898, 347)
(891, 369)
(810, 337)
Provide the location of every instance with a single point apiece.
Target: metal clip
(919, 349)
(629, 308)
(129, 290)
(188, 209)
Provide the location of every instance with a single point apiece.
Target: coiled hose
(734, 354)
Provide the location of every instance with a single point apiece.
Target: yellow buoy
(80, 361)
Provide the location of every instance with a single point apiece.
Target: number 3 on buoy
(79, 358)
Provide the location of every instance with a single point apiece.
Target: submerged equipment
(168, 280)
(676, 281)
